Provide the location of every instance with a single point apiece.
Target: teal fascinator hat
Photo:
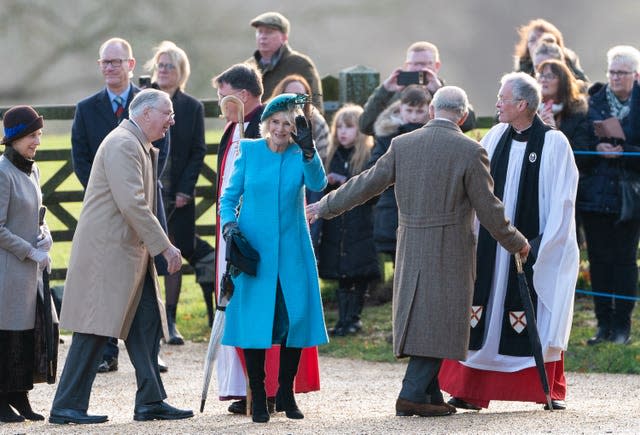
(284, 102)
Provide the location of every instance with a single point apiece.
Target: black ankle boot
(254, 359)
(6, 413)
(343, 308)
(602, 334)
(20, 401)
(174, 335)
(285, 399)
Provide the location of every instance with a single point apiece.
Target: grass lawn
(372, 343)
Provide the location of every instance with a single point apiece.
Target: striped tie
(119, 107)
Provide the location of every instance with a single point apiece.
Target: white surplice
(556, 269)
(231, 378)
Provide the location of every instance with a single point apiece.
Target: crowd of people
(316, 199)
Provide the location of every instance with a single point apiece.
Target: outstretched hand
(304, 137)
(311, 210)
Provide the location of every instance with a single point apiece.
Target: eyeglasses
(165, 66)
(116, 63)
(169, 114)
(548, 76)
(619, 73)
(507, 100)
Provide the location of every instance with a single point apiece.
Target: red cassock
(479, 387)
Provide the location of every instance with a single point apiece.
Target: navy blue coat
(346, 245)
(598, 189)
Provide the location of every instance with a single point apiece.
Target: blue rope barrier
(608, 295)
(608, 153)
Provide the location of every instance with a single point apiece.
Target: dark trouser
(420, 383)
(612, 252)
(85, 354)
(110, 349)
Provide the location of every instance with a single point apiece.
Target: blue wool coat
(272, 218)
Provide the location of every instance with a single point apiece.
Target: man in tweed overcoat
(441, 176)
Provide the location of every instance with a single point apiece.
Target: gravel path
(356, 398)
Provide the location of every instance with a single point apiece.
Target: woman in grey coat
(25, 242)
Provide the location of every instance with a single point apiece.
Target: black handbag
(629, 195)
(241, 254)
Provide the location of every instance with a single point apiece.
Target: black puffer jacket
(346, 244)
(599, 189)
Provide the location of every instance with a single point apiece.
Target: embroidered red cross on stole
(476, 314)
(518, 320)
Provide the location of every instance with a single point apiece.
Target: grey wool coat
(20, 279)
(441, 176)
(116, 236)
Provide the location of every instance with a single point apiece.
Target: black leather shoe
(66, 416)
(602, 334)
(459, 403)
(558, 405)
(7, 415)
(162, 366)
(110, 365)
(240, 406)
(20, 401)
(160, 411)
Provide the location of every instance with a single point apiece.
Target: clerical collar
(522, 135)
(20, 162)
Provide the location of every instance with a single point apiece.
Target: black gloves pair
(304, 138)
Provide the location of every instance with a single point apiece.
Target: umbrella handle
(518, 262)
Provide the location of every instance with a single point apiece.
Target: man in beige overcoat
(441, 176)
(111, 287)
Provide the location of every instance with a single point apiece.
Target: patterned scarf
(619, 109)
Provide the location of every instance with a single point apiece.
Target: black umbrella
(534, 336)
(51, 338)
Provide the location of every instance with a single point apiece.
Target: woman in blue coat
(265, 202)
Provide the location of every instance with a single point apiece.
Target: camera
(144, 82)
(412, 78)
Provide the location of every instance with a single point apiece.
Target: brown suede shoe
(451, 408)
(406, 408)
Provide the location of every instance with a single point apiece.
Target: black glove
(229, 230)
(304, 138)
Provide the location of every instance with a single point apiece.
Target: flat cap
(272, 19)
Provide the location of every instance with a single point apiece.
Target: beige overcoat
(440, 177)
(116, 236)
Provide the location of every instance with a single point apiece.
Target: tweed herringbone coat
(441, 176)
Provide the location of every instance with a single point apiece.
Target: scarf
(527, 221)
(20, 162)
(619, 109)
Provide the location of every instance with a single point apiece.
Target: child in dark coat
(347, 252)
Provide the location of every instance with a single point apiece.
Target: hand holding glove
(45, 242)
(229, 230)
(304, 138)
